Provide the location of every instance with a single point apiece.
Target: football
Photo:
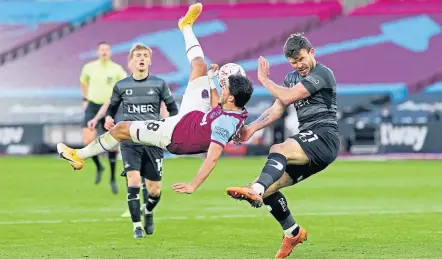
(229, 69)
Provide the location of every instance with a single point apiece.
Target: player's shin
(145, 193)
(277, 204)
(103, 143)
(272, 171)
(152, 201)
(193, 47)
(133, 201)
(112, 162)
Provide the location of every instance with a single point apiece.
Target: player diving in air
(197, 128)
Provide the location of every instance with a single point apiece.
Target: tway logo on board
(10, 135)
(413, 136)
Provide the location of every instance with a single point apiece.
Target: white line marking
(236, 216)
(21, 222)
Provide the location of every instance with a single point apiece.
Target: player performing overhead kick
(197, 128)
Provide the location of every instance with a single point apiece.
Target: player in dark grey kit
(141, 95)
(311, 88)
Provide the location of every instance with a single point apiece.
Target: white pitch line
(235, 216)
(21, 222)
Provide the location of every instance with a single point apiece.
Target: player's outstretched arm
(269, 116)
(214, 95)
(213, 154)
(214, 98)
(286, 95)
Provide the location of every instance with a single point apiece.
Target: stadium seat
(395, 54)
(22, 22)
(225, 32)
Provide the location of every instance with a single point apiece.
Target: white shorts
(159, 132)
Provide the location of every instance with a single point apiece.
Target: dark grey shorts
(148, 160)
(321, 145)
(90, 112)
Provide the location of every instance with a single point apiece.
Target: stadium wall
(23, 139)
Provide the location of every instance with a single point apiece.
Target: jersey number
(204, 120)
(160, 166)
(308, 136)
(153, 126)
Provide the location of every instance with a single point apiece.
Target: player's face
(304, 62)
(141, 60)
(225, 95)
(104, 52)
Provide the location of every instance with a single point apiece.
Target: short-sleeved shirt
(320, 107)
(140, 99)
(197, 130)
(100, 79)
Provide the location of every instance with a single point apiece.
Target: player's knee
(277, 148)
(199, 65)
(154, 188)
(133, 179)
(292, 150)
(121, 130)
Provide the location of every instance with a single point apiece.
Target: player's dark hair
(102, 43)
(241, 88)
(294, 44)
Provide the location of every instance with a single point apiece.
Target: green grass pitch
(351, 210)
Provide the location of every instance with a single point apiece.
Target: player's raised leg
(105, 142)
(194, 51)
(200, 88)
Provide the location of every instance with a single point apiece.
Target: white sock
(259, 188)
(288, 232)
(193, 47)
(137, 224)
(103, 143)
(147, 212)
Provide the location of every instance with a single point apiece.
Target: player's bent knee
(277, 148)
(121, 131)
(292, 150)
(199, 68)
(154, 188)
(198, 64)
(133, 178)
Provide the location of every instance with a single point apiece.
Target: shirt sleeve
(223, 128)
(286, 83)
(84, 75)
(115, 102)
(166, 94)
(315, 81)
